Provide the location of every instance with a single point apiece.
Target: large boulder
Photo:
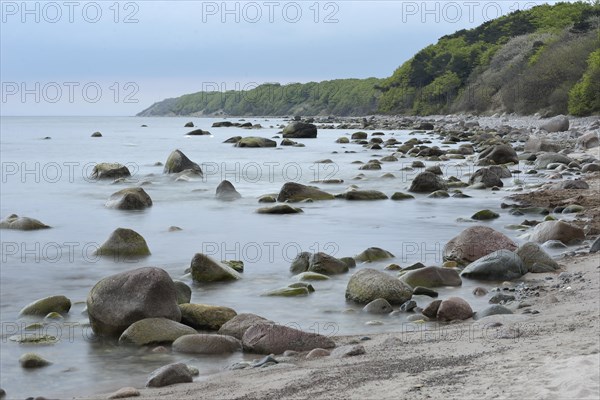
(170, 375)
(432, 277)
(179, 162)
(238, 325)
(119, 300)
(295, 192)
(13, 221)
(560, 123)
(205, 269)
(129, 199)
(255, 141)
(300, 130)
(500, 154)
(536, 144)
(369, 284)
(557, 230)
(535, 259)
(453, 309)
(123, 243)
(321, 263)
(487, 177)
(427, 182)
(275, 339)
(204, 316)
(110, 171)
(575, 184)
(501, 265)
(207, 344)
(226, 191)
(543, 160)
(154, 330)
(476, 242)
(45, 306)
(588, 141)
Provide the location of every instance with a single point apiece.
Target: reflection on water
(48, 180)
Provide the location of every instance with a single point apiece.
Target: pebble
(124, 393)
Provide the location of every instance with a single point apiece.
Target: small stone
(479, 291)
(420, 290)
(501, 298)
(408, 306)
(316, 353)
(348, 351)
(124, 393)
(378, 306)
(169, 375)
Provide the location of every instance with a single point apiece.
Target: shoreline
(548, 349)
(551, 354)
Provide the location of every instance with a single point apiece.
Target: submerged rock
(295, 192)
(33, 360)
(373, 254)
(300, 130)
(129, 199)
(42, 307)
(255, 142)
(501, 265)
(226, 191)
(124, 243)
(204, 316)
(13, 221)
(154, 330)
(279, 210)
(205, 269)
(110, 171)
(179, 162)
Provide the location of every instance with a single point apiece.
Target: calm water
(48, 180)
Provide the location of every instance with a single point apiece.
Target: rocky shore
(538, 334)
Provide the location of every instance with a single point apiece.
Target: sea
(46, 174)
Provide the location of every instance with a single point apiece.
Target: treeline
(545, 59)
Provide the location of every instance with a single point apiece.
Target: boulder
(110, 171)
(427, 182)
(207, 344)
(300, 263)
(536, 144)
(129, 199)
(238, 325)
(378, 306)
(588, 141)
(275, 339)
(13, 221)
(279, 209)
(119, 300)
(124, 243)
(560, 123)
(454, 308)
(96, 135)
(476, 242)
(204, 316)
(47, 305)
(363, 195)
(373, 254)
(300, 130)
(323, 263)
(226, 191)
(205, 269)
(154, 330)
(486, 177)
(496, 155)
(485, 215)
(179, 162)
(349, 350)
(402, 196)
(169, 375)
(575, 184)
(233, 139)
(501, 265)
(198, 132)
(369, 284)
(557, 230)
(295, 192)
(432, 277)
(33, 360)
(184, 292)
(255, 142)
(535, 259)
(430, 311)
(543, 160)
(289, 291)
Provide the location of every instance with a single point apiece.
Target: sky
(119, 57)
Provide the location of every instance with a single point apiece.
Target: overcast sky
(117, 58)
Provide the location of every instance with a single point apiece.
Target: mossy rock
(439, 194)
(124, 243)
(308, 286)
(184, 292)
(279, 210)
(204, 316)
(485, 215)
(154, 330)
(205, 269)
(373, 254)
(33, 360)
(255, 142)
(13, 221)
(295, 192)
(288, 292)
(311, 276)
(343, 140)
(402, 196)
(237, 265)
(110, 171)
(34, 339)
(42, 307)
